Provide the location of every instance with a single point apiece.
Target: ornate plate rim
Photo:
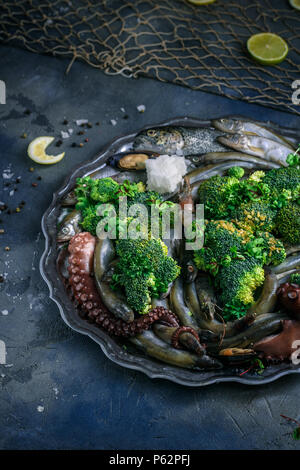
(152, 368)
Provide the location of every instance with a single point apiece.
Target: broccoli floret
(218, 194)
(221, 236)
(255, 216)
(239, 280)
(145, 197)
(295, 278)
(144, 265)
(83, 187)
(90, 219)
(257, 176)
(104, 190)
(137, 294)
(283, 180)
(288, 223)
(236, 172)
(266, 249)
(223, 242)
(206, 261)
(129, 189)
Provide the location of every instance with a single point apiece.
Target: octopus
(81, 252)
(289, 297)
(280, 346)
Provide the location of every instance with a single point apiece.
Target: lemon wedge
(37, 151)
(201, 2)
(295, 4)
(267, 48)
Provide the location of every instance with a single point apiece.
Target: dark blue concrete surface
(89, 402)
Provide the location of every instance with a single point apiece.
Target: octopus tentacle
(81, 249)
(282, 345)
(289, 297)
(179, 331)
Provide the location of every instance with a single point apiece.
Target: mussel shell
(236, 359)
(131, 161)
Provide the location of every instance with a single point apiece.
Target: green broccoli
(257, 176)
(238, 282)
(266, 249)
(288, 224)
(255, 216)
(90, 219)
(145, 197)
(218, 194)
(83, 187)
(236, 172)
(293, 159)
(138, 294)
(143, 265)
(295, 278)
(205, 260)
(103, 190)
(284, 184)
(223, 242)
(129, 189)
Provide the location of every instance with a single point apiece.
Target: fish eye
(65, 230)
(151, 133)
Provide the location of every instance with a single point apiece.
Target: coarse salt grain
(164, 173)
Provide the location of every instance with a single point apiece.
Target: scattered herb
(296, 432)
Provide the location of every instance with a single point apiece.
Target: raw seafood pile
(227, 303)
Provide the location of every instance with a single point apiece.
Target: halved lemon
(267, 48)
(295, 4)
(201, 2)
(37, 151)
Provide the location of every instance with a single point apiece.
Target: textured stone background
(89, 402)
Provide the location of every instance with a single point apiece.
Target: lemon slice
(267, 48)
(201, 2)
(295, 4)
(37, 151)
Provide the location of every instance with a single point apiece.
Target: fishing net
(170, 40)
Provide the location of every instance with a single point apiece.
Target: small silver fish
(179, 140)
(69, 200)
(257, 146)
(235, 157)
(236, 126)
(69, 227)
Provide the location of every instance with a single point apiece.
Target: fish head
(159, 140)
(237, 141)
(190, 271)
(65, 233)
(229, 125)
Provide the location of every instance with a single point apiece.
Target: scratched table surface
(57, 389)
